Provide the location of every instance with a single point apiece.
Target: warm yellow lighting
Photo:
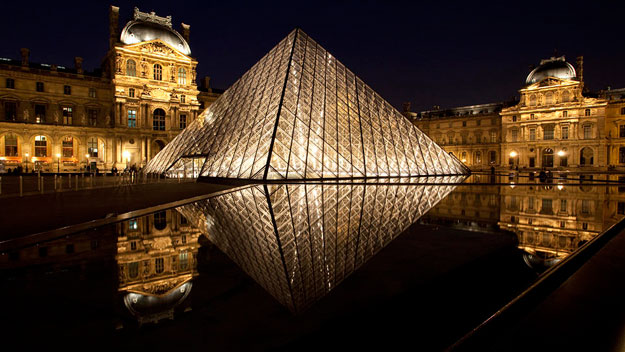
(27, 155)
(560, 187)
(126, 155)
(464, 160)
(58, 155)
(561, 153)
(513, 154)
(87, 156)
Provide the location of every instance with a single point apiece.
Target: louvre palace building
(121, 114)
(555, 124)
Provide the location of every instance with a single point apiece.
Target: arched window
(566, 96)
(158, 72)
(586, 156)
(133, 270)
(92, 147)
(549, 98)
(41, 146)
(10, 145)
(533, 100)
(68, 147)
(182, 76)
(548, 157)
(131, 68)
(158, 120)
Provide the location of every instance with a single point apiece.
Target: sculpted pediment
(157, 47)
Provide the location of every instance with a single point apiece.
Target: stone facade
(555, 124)
(69, 120)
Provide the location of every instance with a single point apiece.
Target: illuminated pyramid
(298, 113)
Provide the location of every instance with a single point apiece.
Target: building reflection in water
(157, 260)
(551, 220)
(298, 241)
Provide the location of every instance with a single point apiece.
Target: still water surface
(302, 265)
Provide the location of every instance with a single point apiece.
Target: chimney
(25, 54)
(406, 106)
(113, 26)
(206, 83)
(186, 32)
(580, 68)
(78, 65)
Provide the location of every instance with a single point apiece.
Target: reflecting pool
(286, 266)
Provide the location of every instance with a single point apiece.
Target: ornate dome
(553, 67)
(148, 26)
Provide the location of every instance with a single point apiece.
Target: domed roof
(553, 67)
(147, 26)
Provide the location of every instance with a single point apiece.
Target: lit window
(10, 145)
(158, 72)
(493, 137)
(132, 224)
(131, 92)
(183, 260)
(182, 76)
(67, 90)
(10, 111)
(548, 132)
(92, 92)
(132, 118)
(587, 132)
(183, 121)
(131, 68)
(39, 86)
(10, 83)
(92, 147)
(158, 120)
(40, 113)
(68, 115)
(68, 147)
(41, 146)
(93, 117)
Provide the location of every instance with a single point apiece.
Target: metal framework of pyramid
(299, 241)
(298, 113)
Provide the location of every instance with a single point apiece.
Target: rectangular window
(564, 161)
(92, 92)
(10, 111)
(93, 117)
(547, 206)
(183, 121)
(133, 245)
(530, 203)
(10, 83)
(39, 86)
(183, 260)
(493, 137)
(565, 113)
(183, 99)
(41, 146)
(67, 90)
(515, 135)
(532, 134)
(514, 118)
(587, 132)
(478, 122)
(585, 206)
(68, 115)
(584, 226)
(621, 180)
(548, 130)
(621, 208)
(565, 132)
(132, 224)
(68, 147)
(132, 118)
(159, 265)
(587, 112)
(622, 111)
(563, 205)
(131, 92)
(621, 131)
(10, 145)
(40, 113)
(532, 116)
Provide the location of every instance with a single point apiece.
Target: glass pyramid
(298, 113)
(299, 241)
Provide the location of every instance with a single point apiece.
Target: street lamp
(58, 163)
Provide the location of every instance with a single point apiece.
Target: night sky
(437, 53)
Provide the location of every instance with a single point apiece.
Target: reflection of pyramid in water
(298, 113)
(300, 241)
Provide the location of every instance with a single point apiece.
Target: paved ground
(26, 215)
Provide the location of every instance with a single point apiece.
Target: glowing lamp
(561, 153)
(513, 154)
(58, 155)
(87, 156)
